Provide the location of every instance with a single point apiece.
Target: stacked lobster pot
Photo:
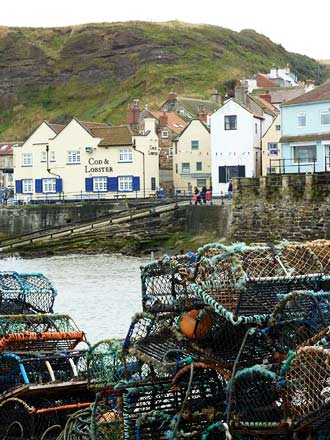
(43, 372)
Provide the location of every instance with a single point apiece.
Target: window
(185, 167)
(73, 157)
(304, 153)
(231, 122)
(198, 166)
(201, 182)
(301, 119)
(176, 168)
(325, 118)
(194, 145)
(27, 160)
(227, 173)
(125, 155)
(164, 134)
(277, 127)
(256, 127)
(153, 183)
(125, 183)
(100, 184)
(49, 185)
(43, 156)
(272, 148)
(170, 152)
(6, 161)
(27, 186)
(52, 156)
(271, 170)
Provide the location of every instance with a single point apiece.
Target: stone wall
(272, 208)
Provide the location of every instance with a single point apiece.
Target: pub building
(86, 161)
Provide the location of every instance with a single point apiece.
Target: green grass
(93, 71)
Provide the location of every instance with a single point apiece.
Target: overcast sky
(300, 26)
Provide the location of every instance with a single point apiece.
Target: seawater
(100, 292)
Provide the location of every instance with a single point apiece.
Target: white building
(86, 161)
(236, 132)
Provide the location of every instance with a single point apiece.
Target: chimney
(172, 95)
(241, 90)
(133, 113)
(216, 97)
(202, 115)
(267, 97)
(163, 119)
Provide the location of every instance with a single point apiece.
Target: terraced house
(305, 132)
(86, 161)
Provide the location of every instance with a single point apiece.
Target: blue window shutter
(136, 183)
(38, 185)
(59, 185)
(89, 184)
(18, 186)
(112, 184)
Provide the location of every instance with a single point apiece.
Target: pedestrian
(230, 189)
(197, 196)
(203, 194)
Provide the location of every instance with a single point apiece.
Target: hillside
(93, 71)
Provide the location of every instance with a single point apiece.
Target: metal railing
(286, 166)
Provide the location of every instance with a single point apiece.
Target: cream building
(271, 148)
(192, 158)
(86, 161)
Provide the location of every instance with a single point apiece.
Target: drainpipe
(48, 168)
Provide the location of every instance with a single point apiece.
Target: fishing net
(165, 284)
(38, 333)
(321, 248)
(38, 419)
(25, 293)
(306, 387)
(106, 423)
(255, 400)
(37, 368)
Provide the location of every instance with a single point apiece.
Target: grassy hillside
(93, 71)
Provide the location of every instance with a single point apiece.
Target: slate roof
(321, 93)
(281, 94)
(6, 148)
(266, 106)
(113, 135)
(175, 123)
(306, 137)
(55, 127)
(194, 106)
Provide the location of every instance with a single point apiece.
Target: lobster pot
(210, 250)
(255, 401)
(109, 364)
(321, 249)
(149, 412)
(306, 387)
(105, 421)
(40, 369)
(165, 284)
(38, 333)
(298, 317)
(37, 418)
(25, 293)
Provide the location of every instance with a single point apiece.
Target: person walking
(197, 196)
(203, 194)
(230, 190)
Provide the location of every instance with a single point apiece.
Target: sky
(298, 25)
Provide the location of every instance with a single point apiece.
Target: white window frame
(100, 184)
(278, 127)
(182, 168)
(52, 156)
(125, 155)
(49, 185)
(27, 160)
(125, 183)
(299, 146)
(43, 156)
(271, 148)
(170, 152)
(195, 142)
(324, 113)
(300, 115)
(27, 186)
(73, 157)
(165, 134)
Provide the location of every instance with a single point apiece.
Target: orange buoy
(195, 324)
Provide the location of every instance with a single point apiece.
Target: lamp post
(143, 169)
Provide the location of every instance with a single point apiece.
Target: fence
(298, 165)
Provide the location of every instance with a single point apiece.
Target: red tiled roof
(113, 135)
(6, 148)
(175, 123)
(266, 105)
(263, 81)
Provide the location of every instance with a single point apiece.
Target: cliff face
(93, 71)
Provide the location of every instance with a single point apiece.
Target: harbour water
(100, 292)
